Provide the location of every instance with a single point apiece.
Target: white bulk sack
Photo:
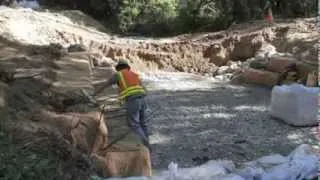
(295, 104)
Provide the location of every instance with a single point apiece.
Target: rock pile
(269, 67)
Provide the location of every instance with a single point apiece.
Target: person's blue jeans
(136, 115)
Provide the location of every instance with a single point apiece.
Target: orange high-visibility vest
(129, 84)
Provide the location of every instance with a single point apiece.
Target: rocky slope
(200, 53)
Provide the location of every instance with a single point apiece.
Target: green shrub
(37, 160)
(199, 14)
(148, 14)
(20, 164)
(166, 17)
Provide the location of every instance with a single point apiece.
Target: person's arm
(111, 81)
(143, 85)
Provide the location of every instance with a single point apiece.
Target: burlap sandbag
(124, 160)
(85, 131)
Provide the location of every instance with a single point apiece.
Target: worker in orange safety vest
(132, 93)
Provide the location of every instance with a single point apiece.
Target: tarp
(33, 4)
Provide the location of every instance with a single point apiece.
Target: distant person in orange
(268, 11)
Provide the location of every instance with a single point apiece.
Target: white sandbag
(229, 177)
(271, 160)
(126, 178)
(173, 170)
(295, 104)
(250, 172)
(208, 171)
(267, 161)
(302, 150)
(302, 165)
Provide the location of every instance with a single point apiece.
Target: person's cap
(122, 62)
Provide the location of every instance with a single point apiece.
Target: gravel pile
(195, 119)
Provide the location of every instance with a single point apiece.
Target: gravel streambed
(196, 119)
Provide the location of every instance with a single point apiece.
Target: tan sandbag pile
(88, 133)
(85, 131)
(124, 160)
(34, 104)
(74, 73)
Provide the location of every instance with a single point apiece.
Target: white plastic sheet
(297, 169)
(251, 173)
(33, 4)
(127, 178)
(295, 104)
(210, 171)
(271, 160)
(301, 164)
(173, 170)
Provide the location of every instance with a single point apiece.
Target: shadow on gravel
(226, 122)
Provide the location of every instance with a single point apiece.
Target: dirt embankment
(201, 53)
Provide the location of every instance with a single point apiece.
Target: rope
(117, 140)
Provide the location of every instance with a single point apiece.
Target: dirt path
(197, 119)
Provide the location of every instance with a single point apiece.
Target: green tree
(161, 17)
(146, 13)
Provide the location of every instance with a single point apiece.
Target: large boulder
(77, 48)
(279, 64)
(266, 51)
(217, 54)
(305, 69)
(258, 63)
(224, 70)
(244, 47)
(260, 77)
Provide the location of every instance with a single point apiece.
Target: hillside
(47, 59)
